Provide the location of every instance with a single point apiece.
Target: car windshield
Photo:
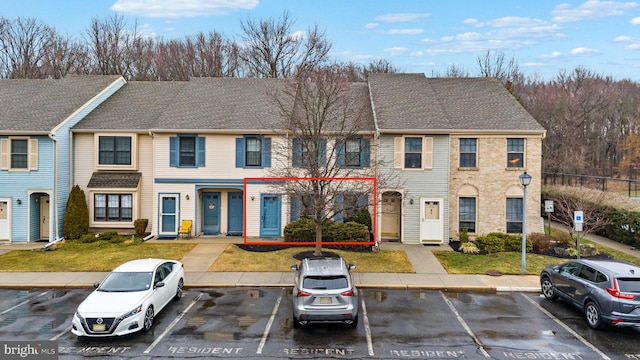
(324, 282)
(126, 282)
(629, 285)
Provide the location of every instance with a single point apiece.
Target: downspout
(55, 184)
(153, 191)
(376, 137)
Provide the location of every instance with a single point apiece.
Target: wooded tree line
(591, 119)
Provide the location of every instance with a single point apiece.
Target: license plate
(325, 300)
(99, 327)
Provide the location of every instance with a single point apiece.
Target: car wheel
(354, 323)
(148, 318)
(296, 323)
(548, 289)
(179, 290)
(592, 314)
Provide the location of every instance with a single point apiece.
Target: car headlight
(79, 316)
(131, 313)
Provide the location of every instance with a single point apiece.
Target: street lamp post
(525, 180)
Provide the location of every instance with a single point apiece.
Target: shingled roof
(412, 102)
(123, 180)
(39, 105)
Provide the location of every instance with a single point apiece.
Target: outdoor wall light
(187, 197)
(253, 198)
(411, 201)
(19, 202)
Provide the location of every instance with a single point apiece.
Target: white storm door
(431, 223)
(168, 215)
(5, 224)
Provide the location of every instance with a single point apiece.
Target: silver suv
(324, 292)
(607, 291)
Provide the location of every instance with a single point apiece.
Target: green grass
(95, 256)
(236, 259)
(507, 263)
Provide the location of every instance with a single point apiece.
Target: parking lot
(393, 324)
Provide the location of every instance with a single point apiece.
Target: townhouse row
(171, 151)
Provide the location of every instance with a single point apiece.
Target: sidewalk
(429, 273)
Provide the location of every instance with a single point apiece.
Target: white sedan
(128, 298)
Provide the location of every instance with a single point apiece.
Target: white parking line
(367, 328)
(266, 330)
(60, 335)
(566, 327)
(173, 323)
(465, 326)
(24, 302)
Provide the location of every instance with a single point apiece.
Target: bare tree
(270, 49)
(23, 45)
(329, 127)
(111, 44)
(567, 200)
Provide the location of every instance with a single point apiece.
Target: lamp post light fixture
(525, 180)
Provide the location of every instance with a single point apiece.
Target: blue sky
(423, 36)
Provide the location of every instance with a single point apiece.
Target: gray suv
(607, 291)
(324, 292)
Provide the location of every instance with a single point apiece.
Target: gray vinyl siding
(416, 184)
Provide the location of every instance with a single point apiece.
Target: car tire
(354, 324)
(593, 316)
(296, 323)
(548, 290)
(148, 319)
(179, 290)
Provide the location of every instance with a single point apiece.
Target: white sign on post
(578, 220)
(548, 206)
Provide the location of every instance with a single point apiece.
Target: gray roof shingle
(39, 105)
(124, 180)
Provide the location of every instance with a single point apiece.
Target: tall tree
(111, 44)
(24, 43)
(328, 125)
(272, 50)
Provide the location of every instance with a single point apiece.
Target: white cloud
(401, 17)
(553, 54)
(396, 51)
(180, 8)
(470, 21)
(635, 21)
(583, 51)
(635, 46)
(591, 9)
(622, 38)
(427, 41)
(371, 26)
(404, 31)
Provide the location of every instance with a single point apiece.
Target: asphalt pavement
(429, 273)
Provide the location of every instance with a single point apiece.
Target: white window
(19, 154)
(413, 152)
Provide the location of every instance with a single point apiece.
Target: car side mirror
(159, 284)
(294, 267)
(556, 268)
(352, 266)
(95, 285)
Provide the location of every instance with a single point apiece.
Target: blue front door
(269, 215)
(211, 213)
(235, 214)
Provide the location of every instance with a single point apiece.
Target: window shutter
(33, 154)
(340, 152)
(173, 151)
(295, 207)
(339, 205)
(398, 152)
(365, 152)
(322, 153)
(427, 153)
(266, 152)
(4, 154)
(239, 152)
(296, 160)
(200, 155)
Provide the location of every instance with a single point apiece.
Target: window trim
(475, 213)
(6, 153)
(265, 151)
(134, 152)
(475, 154)
(135, 212)
(399, 144)
(507, 222)
(523, 154)
(199, 151)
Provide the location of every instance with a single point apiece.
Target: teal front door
(211, 213)
(270, 215)
(235, 214)
(168, 215)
